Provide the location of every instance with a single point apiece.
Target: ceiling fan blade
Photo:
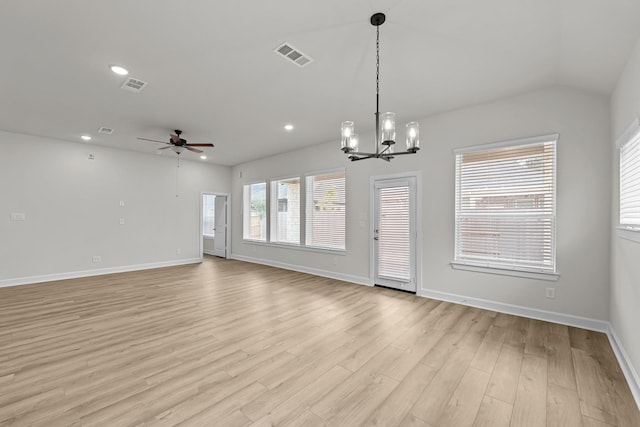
(153, 140)
(201, 145)
(164, 148)
(195, 150)
(175, 138)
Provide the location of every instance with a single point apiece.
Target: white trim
(98, 272)
(629, 133)
(517, 310)
(506, 272)
(510, 143)
(208, 252)
(628, 234)
(297, 247)
(631, 375)
(315, 271)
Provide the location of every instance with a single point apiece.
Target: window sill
(552, 277)
(297, 247)
(629, 234)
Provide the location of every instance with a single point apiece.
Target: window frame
(302, 245)
(305, 225)
(501, 267)
(274, 209)
(629, 136)
(246, 208)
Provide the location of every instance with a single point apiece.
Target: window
(255, 211)
(630, 179)
(208, 214)
(325, 210)
(285, 211)
(309, 212)
(505, 205)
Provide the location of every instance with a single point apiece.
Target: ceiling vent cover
(133, 85)
(103, 129)
(293, 54)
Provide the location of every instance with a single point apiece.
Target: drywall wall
(584, 180)
(72, 207)
(625, 254)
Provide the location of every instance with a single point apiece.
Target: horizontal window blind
(325, 210)
(630, 183)
(394, 234)
(505, 206)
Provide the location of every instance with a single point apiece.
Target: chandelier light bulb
(413, 134)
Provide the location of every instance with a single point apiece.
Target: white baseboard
(208, 252)
(97, 272)
(531, 313)
(315, 271)
(633, 379)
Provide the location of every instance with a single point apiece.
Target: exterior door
(394, 233)
(220, 234)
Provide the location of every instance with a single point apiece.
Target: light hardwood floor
(226, 343)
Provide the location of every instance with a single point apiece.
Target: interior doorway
(214, 225)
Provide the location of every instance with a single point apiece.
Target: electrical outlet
(18, 216)
(121, 221)
(178, 251)
(97, 258)
(551, 293)
(121, 203)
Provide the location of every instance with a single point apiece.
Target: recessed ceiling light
(203, 157)
(288, 127)
(119, 70)
(86, 138)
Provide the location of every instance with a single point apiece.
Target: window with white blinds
(285, 211)
(630, 182)
(505, 205)
(325, 210)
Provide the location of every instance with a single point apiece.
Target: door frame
(228, 209)
(418, 238)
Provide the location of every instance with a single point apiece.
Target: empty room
(338, 213)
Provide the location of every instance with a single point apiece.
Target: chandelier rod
(377, 89)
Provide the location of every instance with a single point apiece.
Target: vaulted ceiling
(212, 71)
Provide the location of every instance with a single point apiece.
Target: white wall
(625, 254)
(584, 180)
(72, 207)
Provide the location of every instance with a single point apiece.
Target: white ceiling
(212, 71)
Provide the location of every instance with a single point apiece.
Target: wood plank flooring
(226, 343)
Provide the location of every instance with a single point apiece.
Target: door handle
(375, 238)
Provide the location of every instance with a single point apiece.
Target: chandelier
(385, 123)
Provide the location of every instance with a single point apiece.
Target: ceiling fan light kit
(385, 123)
(177, 144)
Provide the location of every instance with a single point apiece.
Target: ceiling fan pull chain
(177, 171)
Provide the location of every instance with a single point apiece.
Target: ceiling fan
(178, 144)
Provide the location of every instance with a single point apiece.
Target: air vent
(103, 129)
(133, 85)
(293, 54)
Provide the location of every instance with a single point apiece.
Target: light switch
(121, 203)
(18, 216)
(121, 221)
